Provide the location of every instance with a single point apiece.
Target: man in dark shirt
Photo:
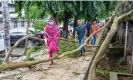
(88, 28)
(80, 33)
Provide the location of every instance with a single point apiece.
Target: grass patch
(69, 46)
(102, 72)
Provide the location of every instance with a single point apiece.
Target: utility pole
(6, 27)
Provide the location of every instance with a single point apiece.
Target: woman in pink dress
(52, 35)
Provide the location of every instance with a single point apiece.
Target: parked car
(18, 33)
(2, 47)
(40, 35)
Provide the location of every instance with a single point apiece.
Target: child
(80, 32)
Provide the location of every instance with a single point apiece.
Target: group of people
(52, 35)
(83, 31)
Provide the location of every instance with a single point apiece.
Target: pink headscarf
(52, 31)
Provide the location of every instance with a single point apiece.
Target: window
(0, 36)
(15, 24)
(22, 23)
(17, 33)
(10, 5)
(0, 12)
(0, 4)
(12, 12)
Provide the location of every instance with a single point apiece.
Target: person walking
(52, 35)
(94, 28)
(80, 33)
(88, 28)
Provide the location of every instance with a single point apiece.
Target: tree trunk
(105, 43)
(75, 24)
(6, 28)
(26, 41)
(12, 55)
(101, 50)
(65, 27)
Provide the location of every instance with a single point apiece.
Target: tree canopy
(84, 9)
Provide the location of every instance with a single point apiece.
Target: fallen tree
(12, 55)
(111, 33)
(6, 60)
(14, 65)
(27, 33)
(20, 40)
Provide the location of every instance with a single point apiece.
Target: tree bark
(26, 41)
(12, 55)
(108, 38)
(75, 24)
(16, 44)
(6, 27)
(65, 27)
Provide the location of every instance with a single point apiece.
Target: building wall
(13, 18)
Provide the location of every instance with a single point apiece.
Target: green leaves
(83, 9)
(39, 25)
(106, 9)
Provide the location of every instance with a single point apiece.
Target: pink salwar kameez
(52, 33)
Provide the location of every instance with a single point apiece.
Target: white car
(2, 46)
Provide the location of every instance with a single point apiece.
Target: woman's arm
(45, 37)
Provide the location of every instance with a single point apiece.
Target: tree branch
(13, 47)
(125, 15)
(12, 55)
